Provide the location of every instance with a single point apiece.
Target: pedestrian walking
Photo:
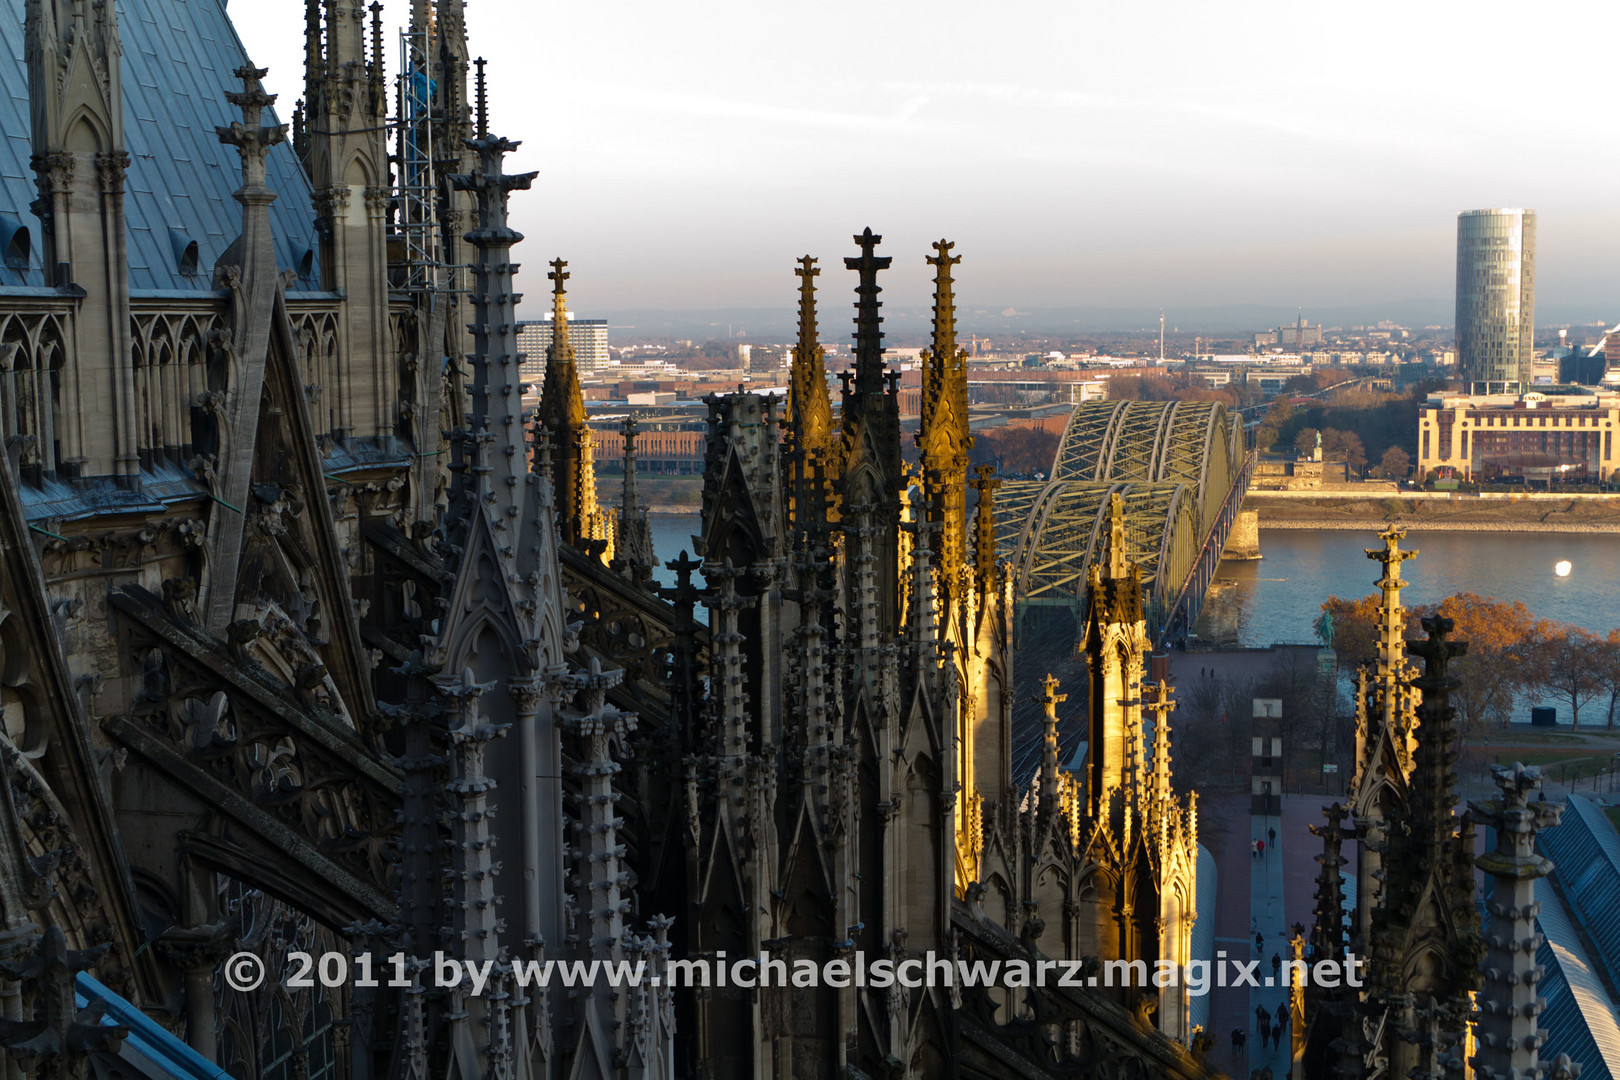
(1239, 1037)
(1254, 849)
(1260, 845)
(1271, 834)
(1262, 1020)
(1259, 944)
(1283, 1020)
(1276, 966)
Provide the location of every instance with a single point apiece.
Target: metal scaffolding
(422, 268)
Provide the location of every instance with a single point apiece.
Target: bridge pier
(1217, 626)
(1244, 541)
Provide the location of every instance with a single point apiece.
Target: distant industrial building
(588, 336)
(1537, 437)
(1496, 299)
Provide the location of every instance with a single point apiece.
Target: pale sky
(1081, 154)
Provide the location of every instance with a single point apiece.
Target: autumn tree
(1272, 424)
(1140, 388)
(1568, 664)
(1350, 450)
(1394, 463)
(1503, 642)
(1609, 671)
(1305, 442)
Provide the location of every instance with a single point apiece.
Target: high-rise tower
(1496, 299)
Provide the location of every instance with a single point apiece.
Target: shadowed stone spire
(499, 461)
(868, 335)
(633, 546)
(1506, 1032)
(247, 269)
(1427, 900)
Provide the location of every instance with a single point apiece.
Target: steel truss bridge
(1181, 469)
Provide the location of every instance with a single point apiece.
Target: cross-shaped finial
(251, 139)
(869, 261)
(944, 260)
(807, 268)
(1051, 698)
(558, 275)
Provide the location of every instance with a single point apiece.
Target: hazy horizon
(1081, 156)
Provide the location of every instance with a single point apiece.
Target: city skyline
(1116, 159)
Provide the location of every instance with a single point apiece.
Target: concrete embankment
(1461, 513)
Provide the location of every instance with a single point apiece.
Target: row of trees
(1346, 446)
(1016, 451)
(1378, 420)
(1214, 723)
(1510, 653)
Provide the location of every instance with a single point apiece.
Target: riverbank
(657, 494)
(1459, 514)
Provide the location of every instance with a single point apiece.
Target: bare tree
(1569, 665)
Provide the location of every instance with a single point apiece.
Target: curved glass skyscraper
(1496, 299)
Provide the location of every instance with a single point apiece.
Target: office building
(1536, 437)
(588, 336)
(1496, 299)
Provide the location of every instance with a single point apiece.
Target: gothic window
(30, 376)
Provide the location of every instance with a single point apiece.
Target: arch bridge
(1181, 469)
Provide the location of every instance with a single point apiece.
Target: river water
(1280, 596)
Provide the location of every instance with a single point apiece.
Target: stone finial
(1117, 542)
(1049, 700)
(251, 138)
(984, 526)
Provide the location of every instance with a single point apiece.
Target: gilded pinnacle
(944, 345)
(1051, 698)
(1116, 536)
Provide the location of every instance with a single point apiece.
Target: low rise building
(1559, 434)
